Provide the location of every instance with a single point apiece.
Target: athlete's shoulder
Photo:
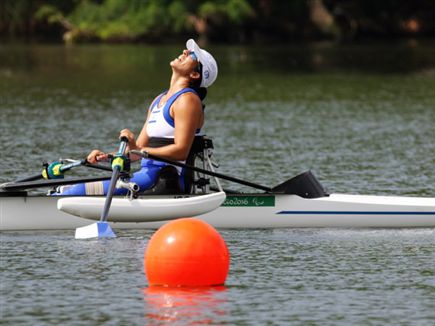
(189, 99)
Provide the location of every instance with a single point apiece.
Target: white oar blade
(95, 230)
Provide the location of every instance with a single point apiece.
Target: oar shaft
(211, 173)
(48, 183)
(66, 167)
(111, 190)
(115, 175)
(85, 163)
(31, 178)
(63, 168)
(98, 166)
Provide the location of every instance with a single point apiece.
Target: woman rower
(176, 116)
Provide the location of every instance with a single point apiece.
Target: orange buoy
(186, 252)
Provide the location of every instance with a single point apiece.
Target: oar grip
(123, 145)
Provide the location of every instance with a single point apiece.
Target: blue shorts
(145, 178)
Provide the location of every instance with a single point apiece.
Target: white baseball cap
(209, 65)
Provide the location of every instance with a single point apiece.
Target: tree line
(216, 20)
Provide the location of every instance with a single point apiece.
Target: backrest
(200, 146)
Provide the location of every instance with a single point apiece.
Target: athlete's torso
(160, 123)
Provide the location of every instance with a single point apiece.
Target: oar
(194, 168)
(62, 168)
(48, 183)
(102, 228)
(304, 185)
(31, 178)
(85, 163)
(55, 166)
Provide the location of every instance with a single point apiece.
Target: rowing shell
(237, 211)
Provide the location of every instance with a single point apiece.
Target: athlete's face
(186, 62)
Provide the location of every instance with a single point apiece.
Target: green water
(361, 117)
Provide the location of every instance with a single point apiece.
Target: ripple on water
(359, 132)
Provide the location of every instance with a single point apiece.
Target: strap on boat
(199, 143)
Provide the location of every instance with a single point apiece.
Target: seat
(168, 181)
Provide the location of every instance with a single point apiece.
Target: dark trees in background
(219, 20)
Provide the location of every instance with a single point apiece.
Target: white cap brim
(192, 46)
(209, 65)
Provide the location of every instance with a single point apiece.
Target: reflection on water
(277, 277)
(202, 305)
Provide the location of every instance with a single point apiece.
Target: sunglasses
(198, 68)
(193, 56)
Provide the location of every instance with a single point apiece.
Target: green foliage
(119, 20)
(45, 12)
(239, 11)
(130, 20)
(210, 9)
(87, 16)
(178, 15)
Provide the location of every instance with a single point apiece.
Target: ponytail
(201, 91)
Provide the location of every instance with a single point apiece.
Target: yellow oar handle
(53, 171)
(122, 162)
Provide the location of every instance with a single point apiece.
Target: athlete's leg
(145, 178)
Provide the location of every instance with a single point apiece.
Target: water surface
(360, 117)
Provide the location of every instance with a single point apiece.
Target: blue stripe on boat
(352, 213)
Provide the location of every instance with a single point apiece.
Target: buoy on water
(186, 252)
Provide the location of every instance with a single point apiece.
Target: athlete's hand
(131, 138)
(97, 156)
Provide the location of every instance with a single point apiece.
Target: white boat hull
(244, 211)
